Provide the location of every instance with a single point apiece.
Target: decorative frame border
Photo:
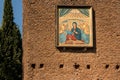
(57, 25)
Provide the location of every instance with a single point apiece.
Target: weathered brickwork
(43, 61)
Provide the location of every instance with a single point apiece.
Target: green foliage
(10, 46)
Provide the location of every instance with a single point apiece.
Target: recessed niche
(61, 66)
(33, 66)
(99, 79)
(88, 66)
(117, 66)
(73, 0)
(41, 65)
(76, 66)
(106, 66)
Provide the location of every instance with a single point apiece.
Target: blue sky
(17, 10)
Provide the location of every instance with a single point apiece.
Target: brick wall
(43, 61)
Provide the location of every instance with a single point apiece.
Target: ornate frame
(65, 17)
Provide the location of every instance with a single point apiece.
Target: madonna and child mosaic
(75, 27)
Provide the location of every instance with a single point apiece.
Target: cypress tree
(0, 38)
(11, 46)
(1, 56)
(0, 45)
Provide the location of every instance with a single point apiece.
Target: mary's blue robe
(78, 35)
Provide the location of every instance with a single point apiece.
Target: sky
(17, 10)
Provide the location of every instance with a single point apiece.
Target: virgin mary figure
(76, 31)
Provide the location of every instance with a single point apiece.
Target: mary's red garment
(70, 37)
